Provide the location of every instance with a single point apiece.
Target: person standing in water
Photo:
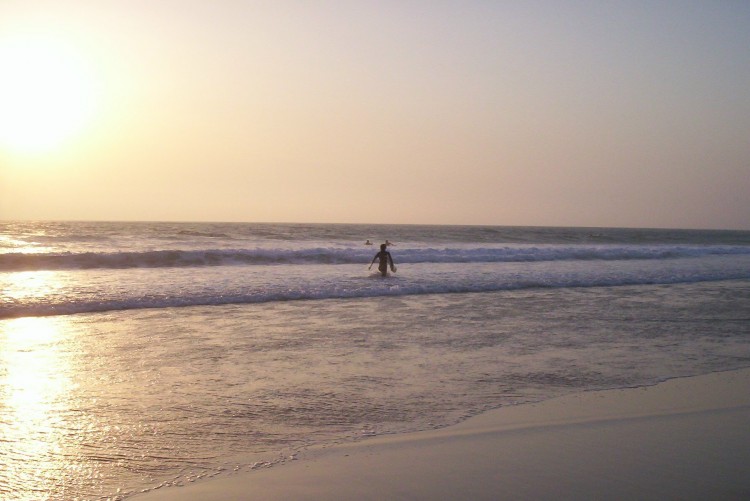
(385, 258)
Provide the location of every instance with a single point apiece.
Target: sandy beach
(686, 438)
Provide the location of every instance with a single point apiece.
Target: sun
(47, 94)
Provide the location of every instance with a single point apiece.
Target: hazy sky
(579, 113)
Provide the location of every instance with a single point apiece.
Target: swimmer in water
(385, 258)
(368, 242)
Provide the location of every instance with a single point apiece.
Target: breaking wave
(10, 262)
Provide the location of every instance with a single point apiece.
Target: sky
(545, 113)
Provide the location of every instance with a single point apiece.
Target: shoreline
(683, 438)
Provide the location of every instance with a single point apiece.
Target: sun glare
(35, 388)
(47, 94)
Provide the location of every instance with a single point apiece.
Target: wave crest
(10, 262)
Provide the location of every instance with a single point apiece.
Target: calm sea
(135, 356)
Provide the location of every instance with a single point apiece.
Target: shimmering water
(167, 353)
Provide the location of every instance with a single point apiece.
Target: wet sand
(686, 438)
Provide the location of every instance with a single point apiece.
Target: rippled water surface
(105, 405)
(135, 356)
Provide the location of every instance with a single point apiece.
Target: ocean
(137, 356)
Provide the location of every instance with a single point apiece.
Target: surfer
(388, 243)
(385, 257)
(368, 242)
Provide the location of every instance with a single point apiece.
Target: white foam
(103, 290)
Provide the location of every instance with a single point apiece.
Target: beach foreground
(686, 438)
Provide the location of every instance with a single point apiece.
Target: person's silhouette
(385, 258)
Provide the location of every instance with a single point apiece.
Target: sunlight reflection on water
(35, 378)
(31, 284)
(39, 426)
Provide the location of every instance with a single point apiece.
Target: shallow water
(105, 405)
